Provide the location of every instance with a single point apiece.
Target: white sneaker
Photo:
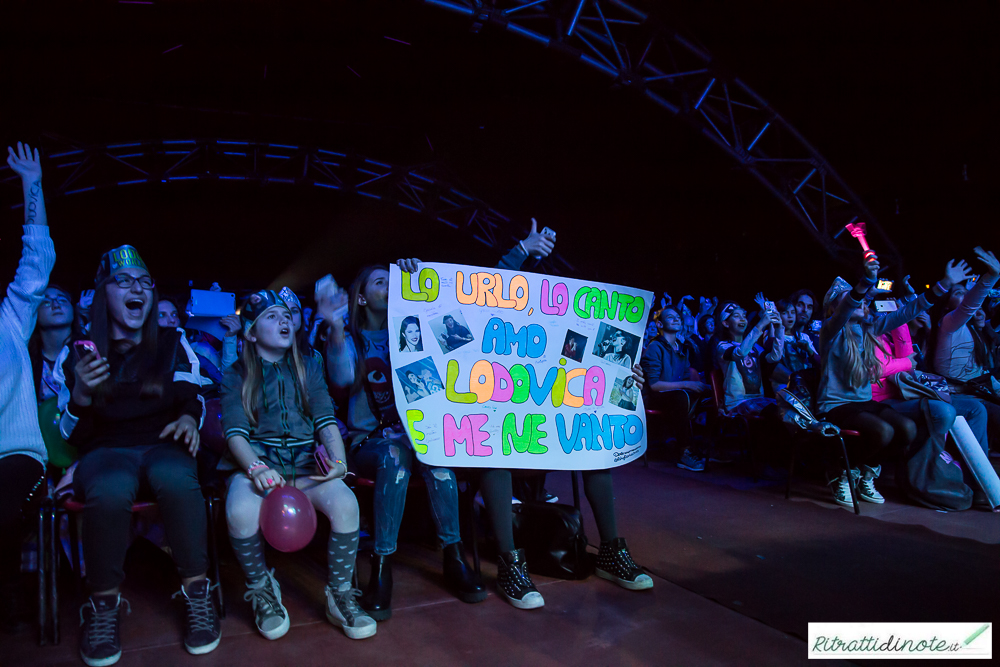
(270, 615)
(841, 488)
(868, 492)
(342, 610)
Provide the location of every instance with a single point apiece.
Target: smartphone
(322, 462)
(546, 231)
(885, 285)
(886, 306)
(769, 306)
(84, 346)
(327, 287)
(816, 326)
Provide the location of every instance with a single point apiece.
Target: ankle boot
(377, 600)
(514, 583)
(460, 578)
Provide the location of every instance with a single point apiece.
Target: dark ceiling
(900, 97)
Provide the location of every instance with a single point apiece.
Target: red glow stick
(857, 230)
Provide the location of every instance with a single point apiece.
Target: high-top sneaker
(866, 485)
(202, 630)
(841, 487)
(514, 583)
(614, 563)
(343, 610)
(100, 637)
(269, 614)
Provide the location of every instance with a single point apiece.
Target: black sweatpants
(21, 488)
(108, 480)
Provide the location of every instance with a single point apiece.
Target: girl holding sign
(358, 362)
(275, 406)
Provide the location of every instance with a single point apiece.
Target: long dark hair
(407, 321)
(357, 311)
(146, 351)
(35, 342)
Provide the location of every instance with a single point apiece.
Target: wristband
(523, 249)
(255, 466)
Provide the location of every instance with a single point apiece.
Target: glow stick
(857, 230)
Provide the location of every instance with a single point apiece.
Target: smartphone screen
(885, 285)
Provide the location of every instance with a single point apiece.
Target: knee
(397, 457)
(883, 434)
(908, 428)
(341, 507)
(242, 518)
(173, 476)
(110, 490)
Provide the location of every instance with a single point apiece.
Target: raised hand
(86, 299)
(955, 272)
(760, 300)
(537, 244)
(989, 260)
(872, 267)
(408, 265)
(25, 163)
(907, 287)
(231, 323)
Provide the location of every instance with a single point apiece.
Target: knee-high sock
(250, 555)
(341, 552)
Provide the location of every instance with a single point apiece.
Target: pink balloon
(287, 519)
(211, 431)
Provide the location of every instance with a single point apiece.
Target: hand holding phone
(90, 370)
(84, 347)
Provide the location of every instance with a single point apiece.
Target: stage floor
(739, 572)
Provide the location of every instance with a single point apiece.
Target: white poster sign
(507, 369)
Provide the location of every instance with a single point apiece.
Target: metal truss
(639, 51)
(425, 190)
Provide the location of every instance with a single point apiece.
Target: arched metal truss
(638, 51)
(424, 189)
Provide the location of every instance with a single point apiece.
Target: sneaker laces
(200, 612)
(347, 603)
(101, 629)
(264, 596)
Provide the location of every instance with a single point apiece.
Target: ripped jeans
(389, 463)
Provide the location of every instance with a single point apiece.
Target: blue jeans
(943, 415)
(389, 463)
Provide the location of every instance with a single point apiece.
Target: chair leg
(55, 547)
(42, 577)
(74, 545)
(213, 556)
(850, 478)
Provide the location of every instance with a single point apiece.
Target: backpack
(553, 540)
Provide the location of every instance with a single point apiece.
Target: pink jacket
(900, 347)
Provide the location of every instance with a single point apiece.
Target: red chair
(50, 546)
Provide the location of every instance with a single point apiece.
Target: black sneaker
(615, 563)
(100, 637)
(201, 627)
(514, 583)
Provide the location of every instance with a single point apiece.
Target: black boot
(514, 583)
(377, 600)
(462, 580)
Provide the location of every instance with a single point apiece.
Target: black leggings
(107, 481)
(883, 431)
(23, 486)
(495, 485)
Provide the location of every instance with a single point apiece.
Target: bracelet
(523, 249)
(255, 466)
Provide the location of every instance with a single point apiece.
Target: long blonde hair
(862, 365)
(253, 379)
